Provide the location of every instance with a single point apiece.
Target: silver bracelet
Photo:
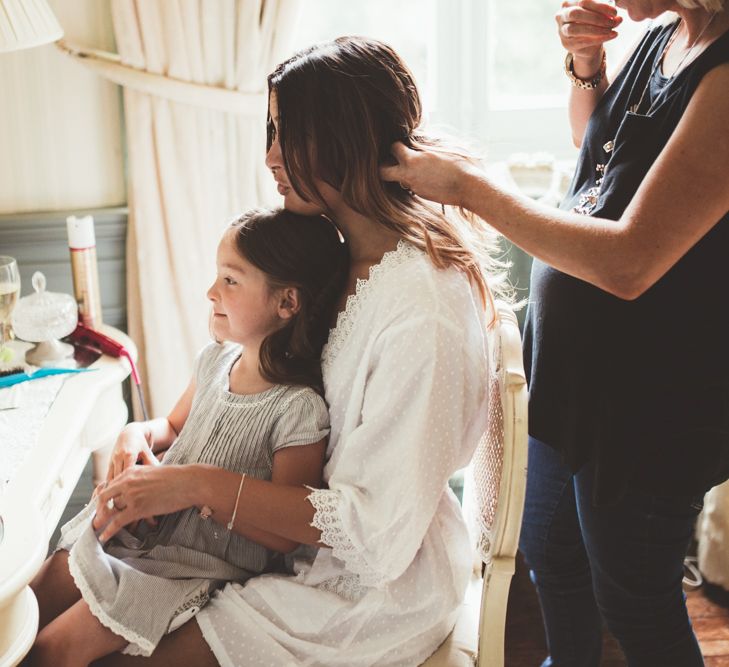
(237, 498)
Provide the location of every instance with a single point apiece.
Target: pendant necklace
(588, 200)
(634, 108)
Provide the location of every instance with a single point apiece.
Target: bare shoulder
(700, 144)
(718, 73)
(713, 89)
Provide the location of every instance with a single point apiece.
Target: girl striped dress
(144, 583)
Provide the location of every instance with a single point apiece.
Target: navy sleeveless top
(638, 388)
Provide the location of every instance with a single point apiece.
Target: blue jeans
(622, 564)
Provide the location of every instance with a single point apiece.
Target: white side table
(84, 420)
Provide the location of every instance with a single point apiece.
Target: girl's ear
(288, 303)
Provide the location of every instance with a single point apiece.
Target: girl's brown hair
(305, 252)
(341, 106)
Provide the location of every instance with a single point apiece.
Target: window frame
(464, 56)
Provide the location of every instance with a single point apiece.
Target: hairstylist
(627, 332)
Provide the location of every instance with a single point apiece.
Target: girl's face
(292, 201)
(245, 308)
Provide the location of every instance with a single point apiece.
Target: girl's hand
(133, 445)
(140, 492)
(430, 174)
(584, 26)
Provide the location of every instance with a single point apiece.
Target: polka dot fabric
(405, 373)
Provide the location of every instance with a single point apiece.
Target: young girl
(254, 407)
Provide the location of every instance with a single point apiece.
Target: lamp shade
(26, 23)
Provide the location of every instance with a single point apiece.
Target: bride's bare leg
(54, 588)
(185, 646)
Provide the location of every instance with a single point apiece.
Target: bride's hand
(140, 492)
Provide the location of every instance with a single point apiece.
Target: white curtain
(190, 168)
(713, 536)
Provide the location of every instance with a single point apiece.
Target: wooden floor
(525, 646)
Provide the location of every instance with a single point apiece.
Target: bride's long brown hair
(341, 105)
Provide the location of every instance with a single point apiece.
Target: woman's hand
(133, 445)
(140, 492)
(584, 26)
(430, 174)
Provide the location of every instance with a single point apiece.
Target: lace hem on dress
(328, 521)
(138, 645)
(347, 586)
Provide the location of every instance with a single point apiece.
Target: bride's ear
(289, 303)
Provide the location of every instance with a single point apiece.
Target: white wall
(60, 125)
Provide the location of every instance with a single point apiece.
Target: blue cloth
(622, 563)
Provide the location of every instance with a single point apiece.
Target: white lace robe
(405, 373)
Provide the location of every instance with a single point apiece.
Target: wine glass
(9, 291)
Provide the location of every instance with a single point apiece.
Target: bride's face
(292, 201)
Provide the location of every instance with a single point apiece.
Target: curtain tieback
(217, 98)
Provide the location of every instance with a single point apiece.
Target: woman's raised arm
(583, 27)
(684, 194)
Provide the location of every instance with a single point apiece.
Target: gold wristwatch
(584, 84)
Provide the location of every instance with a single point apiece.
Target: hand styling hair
(307, 253)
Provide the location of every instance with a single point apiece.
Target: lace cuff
(333, 534)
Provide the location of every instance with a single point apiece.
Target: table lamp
(27, 23)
